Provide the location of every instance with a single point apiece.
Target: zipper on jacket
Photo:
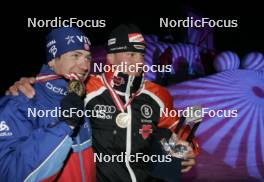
(81, 159)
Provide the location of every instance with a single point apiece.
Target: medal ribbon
(47, 77)
(118, 102)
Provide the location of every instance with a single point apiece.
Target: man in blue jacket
(35, 143)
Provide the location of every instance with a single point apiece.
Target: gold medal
(76, 86)
(122, 120)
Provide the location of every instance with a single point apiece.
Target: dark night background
(23, 47)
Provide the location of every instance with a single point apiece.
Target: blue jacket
(34, 148)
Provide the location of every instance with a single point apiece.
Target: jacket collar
(53, 87)
(123, 83)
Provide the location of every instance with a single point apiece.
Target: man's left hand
(189, 162)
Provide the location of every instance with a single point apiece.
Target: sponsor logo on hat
(50, 43)
(70, 39)
(83, 39)
(139, 47)
(86, 47)
(53, 50)
(111, 41)
(135, 37)
(119, 48)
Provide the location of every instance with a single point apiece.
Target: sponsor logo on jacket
(4, 129)
(54, 89)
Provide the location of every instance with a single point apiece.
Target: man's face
(133, 61)
(77, 62)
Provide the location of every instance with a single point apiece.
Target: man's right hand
(24, 85)
(71, 106)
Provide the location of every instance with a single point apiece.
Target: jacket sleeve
(168, 115)
(29, 152)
